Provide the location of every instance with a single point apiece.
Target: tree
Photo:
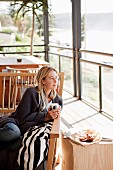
(33, 7)
(6, 20)
(82, 28)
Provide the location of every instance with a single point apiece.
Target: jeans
(9, 132)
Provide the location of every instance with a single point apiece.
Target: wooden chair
(6, 107)
(22, 82)
(55, 135)
(60, 83)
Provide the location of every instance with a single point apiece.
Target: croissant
(86, 138)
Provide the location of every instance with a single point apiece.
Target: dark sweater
(27, 113)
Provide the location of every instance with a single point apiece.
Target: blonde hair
(42, 73)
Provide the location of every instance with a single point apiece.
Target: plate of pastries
(86, 137)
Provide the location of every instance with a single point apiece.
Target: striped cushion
(34, 148)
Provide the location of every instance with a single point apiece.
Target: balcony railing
(95, 76)
(16, 49)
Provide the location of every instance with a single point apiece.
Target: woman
(33, 107)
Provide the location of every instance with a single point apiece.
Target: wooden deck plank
(78, 115)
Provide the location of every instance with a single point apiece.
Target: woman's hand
(53, 114)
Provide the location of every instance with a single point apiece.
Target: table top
(26, 60)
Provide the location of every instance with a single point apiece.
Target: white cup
(54, 106)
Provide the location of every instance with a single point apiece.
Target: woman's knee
(9, 132)
(14, 128)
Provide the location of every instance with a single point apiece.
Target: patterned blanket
(34, 148)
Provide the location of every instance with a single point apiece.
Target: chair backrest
(23, 80)
(24, 70)
(60, 83)
(55, 134)
(6, 104)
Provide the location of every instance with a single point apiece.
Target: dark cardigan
(27, 113)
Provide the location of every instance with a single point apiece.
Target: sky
(56, 8)
(92, 6)
(64, 6)
(3, 7)
(98, 6)
(61, 6)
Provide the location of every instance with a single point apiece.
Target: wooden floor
(77, 115)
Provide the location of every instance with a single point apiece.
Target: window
(97, 36)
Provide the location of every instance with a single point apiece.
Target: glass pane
(104, 59)
(67, 68)
(60, 27)
(60, 35)
(107, 88)
(97, 35)
(54, 61)
(90, 88)
(97, 25)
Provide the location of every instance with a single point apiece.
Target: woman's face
(51, 80)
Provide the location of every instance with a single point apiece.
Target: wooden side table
(93, 157)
